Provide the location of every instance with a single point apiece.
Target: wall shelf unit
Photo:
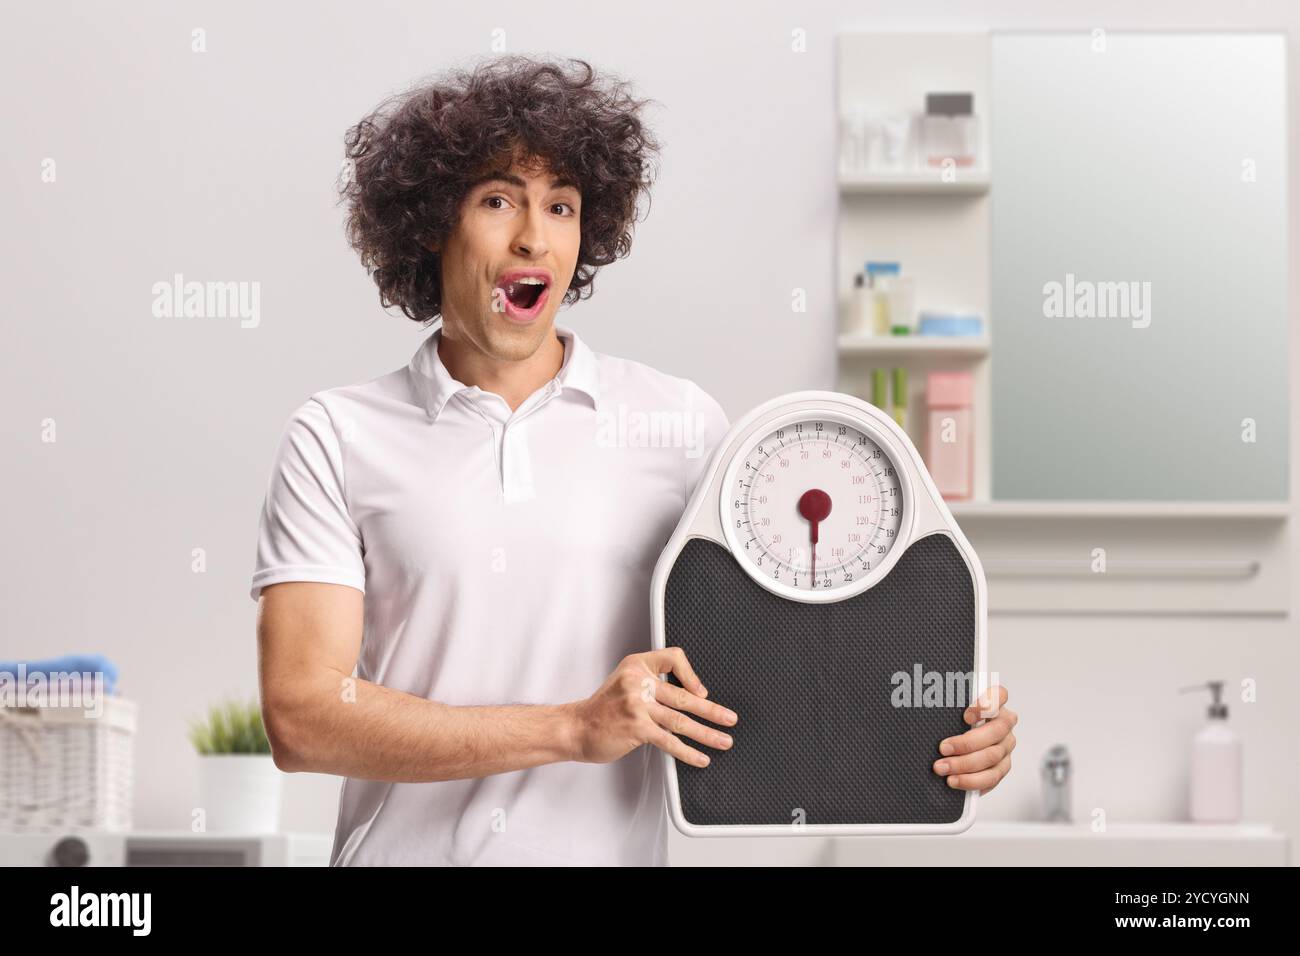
(923, 183)
(1173, 510)
(954, 346)
(1164, 556)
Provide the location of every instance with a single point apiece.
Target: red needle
(814, 505)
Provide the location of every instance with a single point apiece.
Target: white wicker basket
(61, 769)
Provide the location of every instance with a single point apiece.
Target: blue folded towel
(68, 663)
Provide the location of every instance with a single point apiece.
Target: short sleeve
(711, 425)
(306, 532)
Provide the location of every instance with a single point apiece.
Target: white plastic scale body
(764, 496)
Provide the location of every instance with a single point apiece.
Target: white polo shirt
(505, 558)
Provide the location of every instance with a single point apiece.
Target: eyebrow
(557, 182)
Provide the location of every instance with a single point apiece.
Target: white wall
(220, 166)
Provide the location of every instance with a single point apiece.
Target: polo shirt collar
(434, 385)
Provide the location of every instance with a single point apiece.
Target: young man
(467, 532)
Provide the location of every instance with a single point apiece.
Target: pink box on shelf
(949, 440)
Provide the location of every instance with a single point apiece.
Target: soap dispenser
(1216, 764)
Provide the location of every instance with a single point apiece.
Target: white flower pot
(240, 792)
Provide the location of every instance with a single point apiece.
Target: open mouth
(524, 293)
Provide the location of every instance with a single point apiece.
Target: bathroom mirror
(1139, 266)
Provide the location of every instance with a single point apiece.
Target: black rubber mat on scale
(813, 685)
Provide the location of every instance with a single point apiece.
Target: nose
(530, 240)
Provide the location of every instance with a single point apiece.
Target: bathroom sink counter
(995, 843)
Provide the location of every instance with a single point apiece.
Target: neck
(513, 380)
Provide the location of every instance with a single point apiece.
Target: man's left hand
(981, 757)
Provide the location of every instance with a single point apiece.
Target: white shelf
(928, 182)
(854, 343)
(1254, 510)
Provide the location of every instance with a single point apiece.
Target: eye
(495, 196)
(570, 208)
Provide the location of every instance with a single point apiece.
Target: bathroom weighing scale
(822, 590)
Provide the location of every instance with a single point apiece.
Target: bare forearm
(361, 729)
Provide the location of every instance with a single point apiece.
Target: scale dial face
(815, 507)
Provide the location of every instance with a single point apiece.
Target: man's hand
(981, 757)
(634, 707)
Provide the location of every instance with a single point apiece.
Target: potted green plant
(239, 783)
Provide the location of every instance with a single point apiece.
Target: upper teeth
(531, 280)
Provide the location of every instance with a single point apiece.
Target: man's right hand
(634, 707)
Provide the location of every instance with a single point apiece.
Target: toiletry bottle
(1216, 764)
(855, 140)
(851, 158)
(900, 397)
(859, 307)
(880, 278)
(902, 310)
(899, 142)
(880, 389)
(949, 131)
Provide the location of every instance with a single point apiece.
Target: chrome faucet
(1055, 772)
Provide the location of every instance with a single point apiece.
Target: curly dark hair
(419, 153)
